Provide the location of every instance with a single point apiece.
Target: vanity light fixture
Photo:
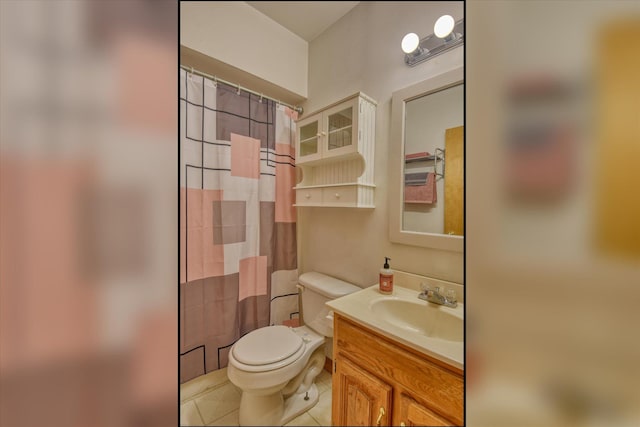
(443, 26)
(447, 34)
(410, 43)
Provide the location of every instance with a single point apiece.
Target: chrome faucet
(433, 295)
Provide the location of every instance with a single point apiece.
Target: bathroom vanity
(382, 375)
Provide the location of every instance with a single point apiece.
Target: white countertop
(357, 307)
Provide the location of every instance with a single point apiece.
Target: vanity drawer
(338, 196)
(309, 196)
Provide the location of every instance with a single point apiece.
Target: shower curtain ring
(260, 100)
(238, 92)
(215, 81)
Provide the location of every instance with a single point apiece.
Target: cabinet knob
(337, 195)
(380, 415)
(402, 424)
(318, 135)
(308, 196)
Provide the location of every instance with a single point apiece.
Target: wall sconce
(447, 34)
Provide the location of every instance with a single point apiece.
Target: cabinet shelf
(347, 194)
(308, 140)
(341, 184)
(340, 129)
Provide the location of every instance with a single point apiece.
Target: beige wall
(361, 52)
(237, 34)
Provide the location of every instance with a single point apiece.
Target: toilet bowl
(275, 366)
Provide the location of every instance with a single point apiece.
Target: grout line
(314, 419)
(205, 391)
(225, 414)
(199, 414)
(221, 416)
(235, 410)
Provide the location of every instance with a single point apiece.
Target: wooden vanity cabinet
(377, 381)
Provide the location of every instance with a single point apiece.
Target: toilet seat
(268, 348)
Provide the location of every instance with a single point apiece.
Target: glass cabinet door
(341, 124)
(340, 129)
(309, 138)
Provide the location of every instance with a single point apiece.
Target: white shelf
(341, 129)
(304, 141)
(326, 205)
(342, 184)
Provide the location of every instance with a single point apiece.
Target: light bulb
(443, 26)
(410, 42)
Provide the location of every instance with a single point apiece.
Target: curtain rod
(217, 79)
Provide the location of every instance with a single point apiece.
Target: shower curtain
(238, 266)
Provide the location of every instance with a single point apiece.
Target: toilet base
(295, 404)
(273, 409)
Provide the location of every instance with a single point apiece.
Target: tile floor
(211, 400)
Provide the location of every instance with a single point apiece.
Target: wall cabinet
(379, 382)
(335, 150)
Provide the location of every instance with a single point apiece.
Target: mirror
(426, 197)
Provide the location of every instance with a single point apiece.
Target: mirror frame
(396, 166)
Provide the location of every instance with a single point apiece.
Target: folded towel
(422, 193)
(419, 178)
(416, 155)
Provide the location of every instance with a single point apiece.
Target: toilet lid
(267, 345)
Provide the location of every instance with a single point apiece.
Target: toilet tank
(319, 288)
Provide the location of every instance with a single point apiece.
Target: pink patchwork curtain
(238, 266)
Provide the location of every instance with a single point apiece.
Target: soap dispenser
(386, 278)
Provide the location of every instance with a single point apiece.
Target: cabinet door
(454, 181)
(359, 398)
(414, 414)
(340, 129)
(308, 147)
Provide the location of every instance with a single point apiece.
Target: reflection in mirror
(433, 144)
(433, 196)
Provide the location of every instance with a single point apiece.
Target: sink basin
(426, 319)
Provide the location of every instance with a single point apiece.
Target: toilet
(275, 366)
